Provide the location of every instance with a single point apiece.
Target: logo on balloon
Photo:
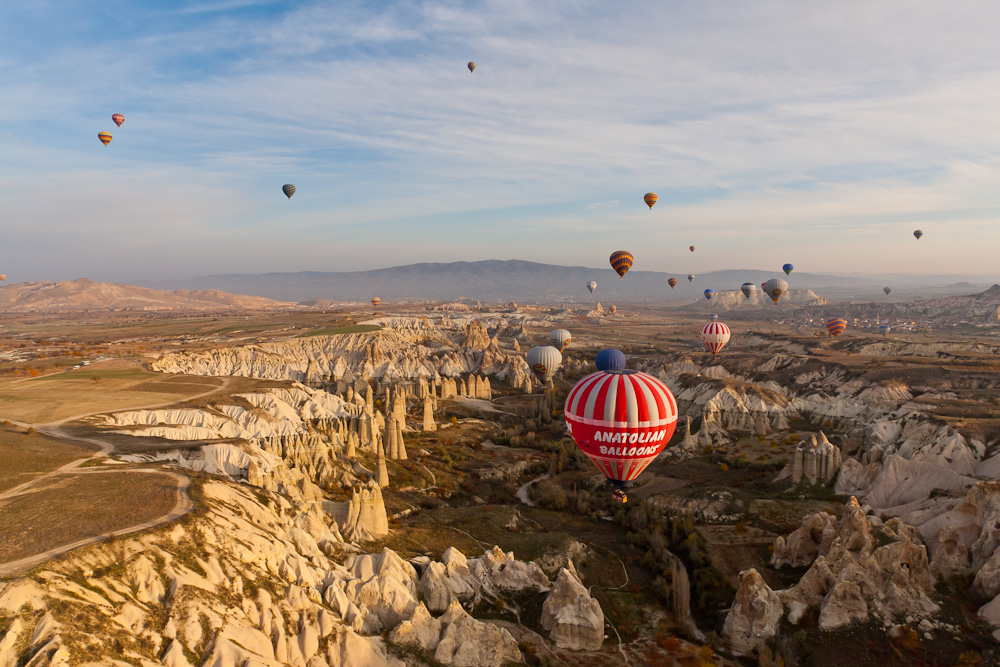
(539, 369)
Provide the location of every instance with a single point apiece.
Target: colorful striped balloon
(650, 199)
(376, 301)
(105, 137)
(288, 189)
(672, 282)
(621, 262)
(836, 326)
(621, 420)
(884, 329)
(715, 335)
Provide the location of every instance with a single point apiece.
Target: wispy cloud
(765, 127)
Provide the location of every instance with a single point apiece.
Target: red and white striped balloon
(621, 420)
(715, 335)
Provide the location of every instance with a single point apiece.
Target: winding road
(105, 448)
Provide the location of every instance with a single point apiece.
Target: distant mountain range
(506, 280)
(86, 296)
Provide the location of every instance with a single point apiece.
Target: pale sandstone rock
(870, 566)
(466, 642)
(573, 618)
(754, 615)
(421, 629)
(811, 539)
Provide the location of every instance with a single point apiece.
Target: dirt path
(182, 507)
(54, 430)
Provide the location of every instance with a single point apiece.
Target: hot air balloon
(560, 339)
(650, 199)
(691, 278)
(472, 67)
(775, 288)
(714, 317)
(884, 329)
(715, 335)
(672, 282)
(288, 189)
(709, 293)
(748, 289)
(762, 285)
(621, 420)
(610, 360)
(592, 285)
(3, 276)
(119, 119)
(105, 137)
(376, 301)
(836, 326)
(918, 234)
(621, 262)
(691, 248)
(787, 268)
(887, 290)
(544, 361)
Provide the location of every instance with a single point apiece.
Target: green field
(355, 328)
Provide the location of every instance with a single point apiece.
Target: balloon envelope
(836, 326)
(884, 329)
(544, 361)
(918, 234)
(472, 67)
(376, 301)
(672, 282)
(714, 317)
(621, 262)
(787, 268)
(748, 289)
(887, 290)
(621, 420)
(3, 276)
(691, 278)
(119, 119)
(715, 335)
(650, 199)
(105, 137)
(691, 248)
(610, 360)
(592, 285)
(560, 339)
(776, 288)
(709, 293)
(288, 189)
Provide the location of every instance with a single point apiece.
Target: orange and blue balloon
(621, 262)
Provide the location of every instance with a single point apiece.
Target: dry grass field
(93, 389)
(81, 506)
(24, 457)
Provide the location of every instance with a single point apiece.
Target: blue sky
(820, 134)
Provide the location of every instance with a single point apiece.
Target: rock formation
(754, 616)
(816, 461)
(573, 618)
(428, 423)
(366, 519)
(870, 567)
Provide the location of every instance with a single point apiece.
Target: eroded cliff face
(259, 578)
